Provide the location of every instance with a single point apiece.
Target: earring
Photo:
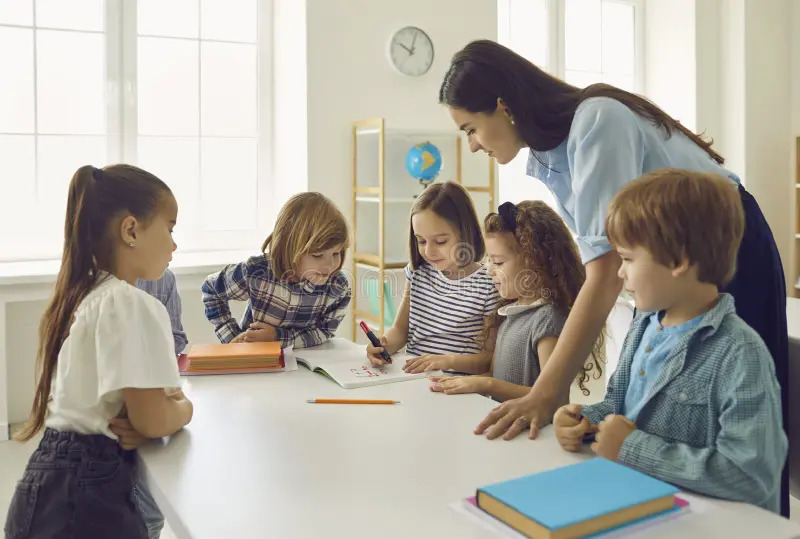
(513, 122)
(130, 244)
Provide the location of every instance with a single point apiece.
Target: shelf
(366, 259)
(432, 133)
(388, 200)
(368, 190)
(369, 317)
(477, 188)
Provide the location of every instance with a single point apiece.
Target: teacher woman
(585, 144)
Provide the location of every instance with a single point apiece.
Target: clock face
(411, 51)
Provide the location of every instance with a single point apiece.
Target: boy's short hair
(677, 213)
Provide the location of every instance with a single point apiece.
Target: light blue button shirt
(648, 360)
(608, 146)
(712, 422)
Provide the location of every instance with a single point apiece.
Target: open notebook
(346, 363)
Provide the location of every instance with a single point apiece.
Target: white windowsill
(45, 271)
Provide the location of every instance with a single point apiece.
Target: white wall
(290, 103)
(523, 25)
(707, 66)
(350, 78)
(768, 104)
(794, 92)
(743, 66)
(669, 63)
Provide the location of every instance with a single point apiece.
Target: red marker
(375, 341)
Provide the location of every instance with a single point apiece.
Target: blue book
(576, 500)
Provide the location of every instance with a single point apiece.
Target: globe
(424, 162)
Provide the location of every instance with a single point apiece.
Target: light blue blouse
(608, 146)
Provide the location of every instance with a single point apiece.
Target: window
(180, 88)
(600, 43)
(580, 41)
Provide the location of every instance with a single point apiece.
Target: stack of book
(238, 358)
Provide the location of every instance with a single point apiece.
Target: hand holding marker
(375, 341)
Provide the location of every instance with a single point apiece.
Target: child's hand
(238, 338)
(374, 353)
(128, 437)
(611, 433)
(570, 427)
(427, 362)
(454, 385)
(260, 332)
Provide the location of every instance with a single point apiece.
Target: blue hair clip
(508, 213)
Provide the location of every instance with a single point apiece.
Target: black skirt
(759, 290)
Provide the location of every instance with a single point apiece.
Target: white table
(258, 461)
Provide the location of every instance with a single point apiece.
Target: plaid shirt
(166, 291)
(303, 314)
(711, 422)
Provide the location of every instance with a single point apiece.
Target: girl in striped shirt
(448, 295)
(296, 291)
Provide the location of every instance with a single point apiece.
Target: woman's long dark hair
(542, 106)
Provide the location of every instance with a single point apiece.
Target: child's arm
(218, 289)
(396, 336)
(154, 414)
(324, 326)
(174, 309)
(745, 461)
(488, 385)
(321, 330)
(469, 363)
(484, 384)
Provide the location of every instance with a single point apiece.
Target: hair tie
(508, 213)
(97, 174)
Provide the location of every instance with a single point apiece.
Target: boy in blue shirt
(694, 401)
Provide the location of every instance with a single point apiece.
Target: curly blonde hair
(554, 269)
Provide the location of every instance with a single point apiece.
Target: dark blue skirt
(759, 290)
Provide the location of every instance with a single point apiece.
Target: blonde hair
(307, 223)
(677, 214)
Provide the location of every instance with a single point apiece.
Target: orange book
(232, 358)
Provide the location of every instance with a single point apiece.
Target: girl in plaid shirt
(296, 291)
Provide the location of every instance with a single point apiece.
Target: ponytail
(95, 196)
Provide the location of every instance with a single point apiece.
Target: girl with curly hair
(535, 265)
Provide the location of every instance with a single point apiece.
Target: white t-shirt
(121, 337)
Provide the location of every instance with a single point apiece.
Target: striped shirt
(165, 290)
(447, 316)
(302, 313)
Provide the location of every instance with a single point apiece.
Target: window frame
(556, 49)
(121, 124)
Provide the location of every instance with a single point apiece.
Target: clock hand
(410, 51)
(413, 40)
